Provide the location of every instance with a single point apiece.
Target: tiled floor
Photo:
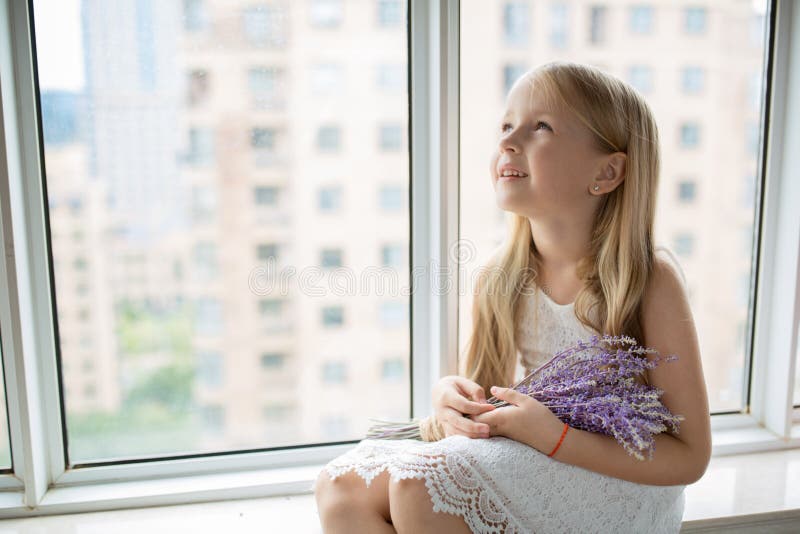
(733, 485)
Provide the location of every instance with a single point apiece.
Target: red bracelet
(563, 433)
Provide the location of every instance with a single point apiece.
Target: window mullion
(34, 406)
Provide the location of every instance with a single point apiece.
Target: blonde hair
(620, 257)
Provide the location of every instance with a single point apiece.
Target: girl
(577, 165)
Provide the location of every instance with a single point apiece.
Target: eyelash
(503, 127)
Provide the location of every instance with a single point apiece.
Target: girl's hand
(453, 397)
(524, 419)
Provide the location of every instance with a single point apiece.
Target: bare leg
(348, 505)
(412, 510)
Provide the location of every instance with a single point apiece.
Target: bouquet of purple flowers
(591, 386)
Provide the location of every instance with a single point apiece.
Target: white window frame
(41, 484)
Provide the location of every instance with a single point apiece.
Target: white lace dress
(498, 485)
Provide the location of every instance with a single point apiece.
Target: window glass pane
(186, 150)
(675, 50)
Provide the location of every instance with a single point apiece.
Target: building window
(332, 316)
(391, 198)
(265, 195)
(641, 19)
(266, 86)
(208, 316)
(516, 23)
(393, 314)
(690, 135)
(267, 252)
(205, 260)
(686, 191)
(684, 244)
(334, 372)
(326, 13)
(511, 73)
(391, 137)
(559, 21)
(330, 199)
(265, 26)
(204, 203)
(329, 138)
(272, 360)
(641, 78)
(597, 24)
(198, 87)
(327, 79)
(335, 427)
(393, 370)
(201, 146)
(79, 264)
(213, 417)
(195, 17)
(390, 13)
(391, 77)
(277, 411)
(392, 255)
(694, 20)
(209, 368)
(330, 258)
(693, 80)
(262, 138)
(270, 308)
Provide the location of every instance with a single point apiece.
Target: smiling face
(553, 148)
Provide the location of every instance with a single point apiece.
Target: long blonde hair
(620, 258)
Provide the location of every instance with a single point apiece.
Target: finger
(466, 406)
(471, 390)
(466, 426)
(510, 395)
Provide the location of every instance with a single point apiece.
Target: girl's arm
(678, 459)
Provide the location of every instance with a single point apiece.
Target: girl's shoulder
(664, 254)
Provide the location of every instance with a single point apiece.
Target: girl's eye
(503, 127)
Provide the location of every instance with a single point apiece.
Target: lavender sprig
(591, 386)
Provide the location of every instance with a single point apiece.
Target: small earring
(596, 187)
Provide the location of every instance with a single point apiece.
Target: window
(326, 13)
(209, 368)
(332, 316)
(195, 17)
(597, 24)
(330, 199)
(267, 252)
(392, 256)
(334, 372)
(686, 191)
(511, 73)
(272, 360)
(201, 146)
(392, 313)
(264, 26)
(390, 13)
(203, 203)
(690, 135)
(753, 132)
(391, 198)
(208, 317)
(198, 87)
(516, 23)
(391, 137)
(641, 78)
(559, 25)
(335, 427)
(391, 77)
(748, 195)
(684, 244)
(641, 19)
(205, 260)
(327, 79)
(213, 418)
(266, 86)
(694, 20)
(330, 257)
(693, 80)
(270, 308)
(328, 138)
(392, 370)
(262, 138)
(265, 195)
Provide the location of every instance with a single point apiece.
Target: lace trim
(455, 484)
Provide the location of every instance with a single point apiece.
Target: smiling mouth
(512, 178)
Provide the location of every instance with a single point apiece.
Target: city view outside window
(192, 155)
